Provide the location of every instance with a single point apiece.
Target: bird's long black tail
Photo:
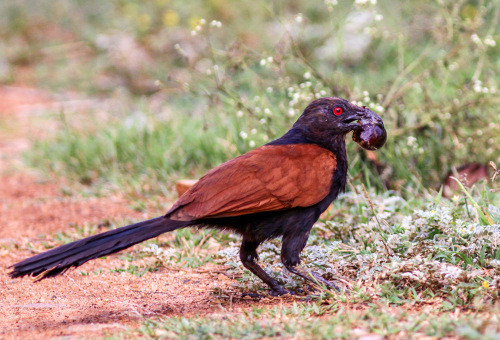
(56, 261)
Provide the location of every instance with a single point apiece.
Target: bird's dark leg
(290, 251)
(248, 255)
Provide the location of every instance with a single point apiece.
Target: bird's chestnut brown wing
(269, 178)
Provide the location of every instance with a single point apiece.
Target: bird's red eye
(338, 111)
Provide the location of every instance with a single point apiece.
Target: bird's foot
(279, 291)
(282, 291)
(326, 283)
(252, 295)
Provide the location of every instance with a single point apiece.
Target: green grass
(316, 321)
(131, 153)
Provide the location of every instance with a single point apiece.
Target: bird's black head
(329, 118)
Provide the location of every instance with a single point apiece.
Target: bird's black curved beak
(368, 117)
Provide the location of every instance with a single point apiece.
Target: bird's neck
(300, 135)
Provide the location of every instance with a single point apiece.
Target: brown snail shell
(370, 136)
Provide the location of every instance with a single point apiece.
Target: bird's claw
(326, 283)
(279, 291)
(252, 295)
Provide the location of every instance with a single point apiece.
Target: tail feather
(58, 260)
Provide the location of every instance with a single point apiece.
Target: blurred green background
(181, 86)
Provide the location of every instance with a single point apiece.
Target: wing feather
(268, 178)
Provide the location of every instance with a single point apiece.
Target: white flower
(307, 75)
(475, 39)
(216, 23)
(243, 134)
(478, 86)
(489, 41)
(412, 141)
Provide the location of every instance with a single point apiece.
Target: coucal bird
(279, 189)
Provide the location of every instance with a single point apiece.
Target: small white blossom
(216, 23)
(477, 86)
(475, 39)
(412, 141)
(489, 41)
